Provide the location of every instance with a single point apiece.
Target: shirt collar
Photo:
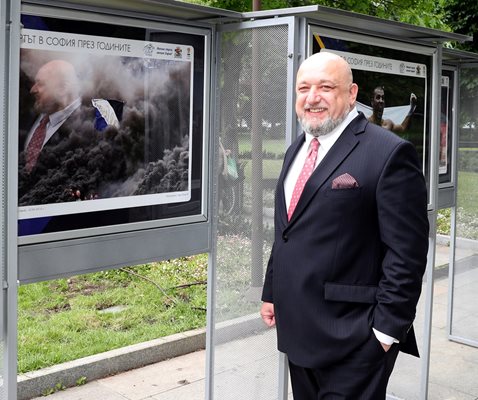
(61, 115)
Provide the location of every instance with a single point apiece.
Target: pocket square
(344, 181)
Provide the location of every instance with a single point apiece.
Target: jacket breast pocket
(343, 193)
(350, 293)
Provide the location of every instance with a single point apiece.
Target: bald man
(55, 87)
(351, 238)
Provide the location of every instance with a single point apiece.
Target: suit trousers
(363, 375)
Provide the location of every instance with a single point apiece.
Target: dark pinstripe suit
(350, 259)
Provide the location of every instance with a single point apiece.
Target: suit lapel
(339, 151)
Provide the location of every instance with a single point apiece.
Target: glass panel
(452, 365)
(405, 381)
(3, 186)
(252, 119)
(464, 316)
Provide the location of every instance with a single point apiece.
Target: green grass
(276, 146)
(467, 224)
(467, 205)
(468, 191)
(270, 169)
(63, 320)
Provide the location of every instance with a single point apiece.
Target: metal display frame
(25, 260)
(433, 52)
(447, 190)
(455, 60)
(390, 33)
(294, 27)
(113, 246)
(10, 24)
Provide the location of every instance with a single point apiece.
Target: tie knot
(44, 120)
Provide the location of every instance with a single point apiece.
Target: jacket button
(285, 238)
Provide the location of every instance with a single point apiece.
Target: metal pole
(11, 62)
(434, 159)
(257, 236)
(256, 178)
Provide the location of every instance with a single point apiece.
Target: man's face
(46, 91)
(325, 96)
(378, 101)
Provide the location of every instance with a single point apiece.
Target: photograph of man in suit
(56, 94)
(63, 128)
(58, 128)
(351, 240)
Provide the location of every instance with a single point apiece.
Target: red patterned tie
(305, 174)
(36, 144)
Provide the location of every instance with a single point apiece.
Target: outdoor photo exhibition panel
(125, 143)
(448, 138)
(8, 340)
(394, 83)
(445, 158)
(395, 91)
(463, 307)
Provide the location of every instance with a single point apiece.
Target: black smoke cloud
(148, 154)
(167, 175)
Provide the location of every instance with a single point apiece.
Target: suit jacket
(350, 258)
(50, 170)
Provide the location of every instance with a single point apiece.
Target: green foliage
(437, 14)
(235, 5)
(81, 381)
(462, 17)
(467, 208)
(59, 386)
(443, 221)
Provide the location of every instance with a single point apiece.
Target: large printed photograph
(392, 87)
(446, 127)
(104, 123)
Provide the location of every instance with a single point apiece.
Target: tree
(462, 17)
(428, 13)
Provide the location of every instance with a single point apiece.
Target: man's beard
(47, 107)
(322, 128)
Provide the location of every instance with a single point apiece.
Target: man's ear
(353, 92)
